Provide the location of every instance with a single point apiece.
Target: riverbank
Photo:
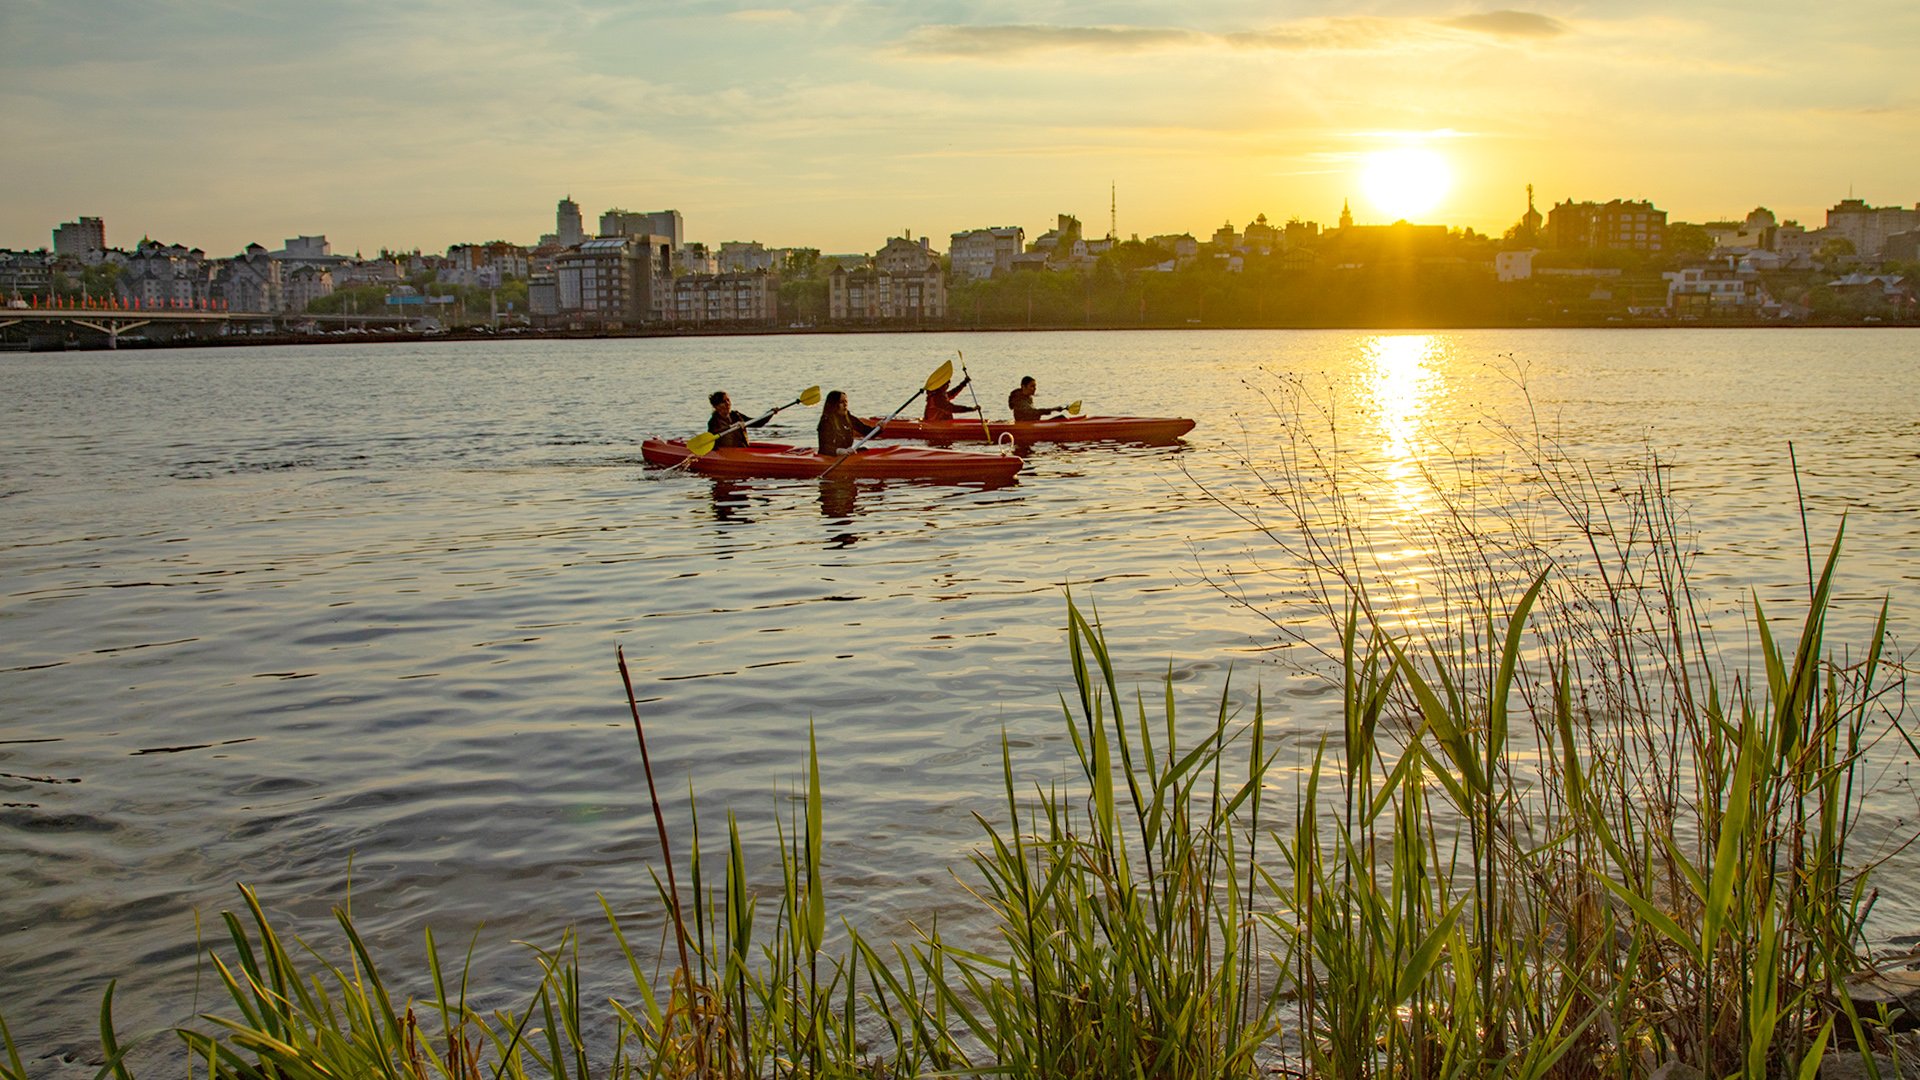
(95, 343)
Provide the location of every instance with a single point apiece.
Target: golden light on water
(1400, 376)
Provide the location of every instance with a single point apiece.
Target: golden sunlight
(1406, 182)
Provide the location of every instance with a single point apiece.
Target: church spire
(1346, 215)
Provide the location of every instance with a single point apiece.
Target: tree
(1684, 238)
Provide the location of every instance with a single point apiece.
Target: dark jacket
(1021, 402)
(838, 431)
(716, 425)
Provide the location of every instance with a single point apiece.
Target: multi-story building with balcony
(750, 299)
(1618, 225)
(904, 284)
(979, 254)
(614, 281)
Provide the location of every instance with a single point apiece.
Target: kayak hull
(1148, 429)
(780, 461)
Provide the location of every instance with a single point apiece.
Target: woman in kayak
(941, 403)
(729, 428)
(839, 428)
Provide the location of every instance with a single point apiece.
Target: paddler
(722, 424)
(942, 403)
(839, 428)
(1021, 402)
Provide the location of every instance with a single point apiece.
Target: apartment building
(85, 240)
(750, 299)
(1617, 225)
(979, 254)
(1868, 227)
(614, 281)
(305, 284)
(665, 223)
(904, 284)
(250, 281)
(160, 275)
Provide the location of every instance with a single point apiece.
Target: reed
(1126, 909)
(1561, 839)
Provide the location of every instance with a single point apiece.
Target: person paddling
(1021, 402)
(942, 403)
(729, 428)
(839, 428)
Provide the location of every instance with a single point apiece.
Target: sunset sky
(835, 125)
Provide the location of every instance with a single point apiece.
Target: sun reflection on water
(1400, 377)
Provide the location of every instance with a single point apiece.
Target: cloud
(1018, 41)
(1509, 24)
(764, 15)
(1008, 41)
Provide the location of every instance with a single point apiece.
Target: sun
(1406, 182)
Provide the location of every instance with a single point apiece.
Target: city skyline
(830, 125)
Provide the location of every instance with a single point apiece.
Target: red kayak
(1147, 429)
(782, 461)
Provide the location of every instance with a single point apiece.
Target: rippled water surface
(284, 616)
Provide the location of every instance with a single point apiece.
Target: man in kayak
(942, 403)
(1021, 402)
(729, 428)
(839, 428)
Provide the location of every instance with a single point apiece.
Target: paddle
(703, 442)
(975, 390)
(939, 378)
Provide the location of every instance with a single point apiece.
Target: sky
(835, 125)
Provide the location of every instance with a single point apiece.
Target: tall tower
(567, 222)
(1530, 224)
(1113, 211)
(1346, 215)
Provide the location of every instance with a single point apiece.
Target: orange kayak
(778, 460)
(1147, 429)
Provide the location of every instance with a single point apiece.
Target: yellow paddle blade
(940, 376)
(1073, 409)
(810, 396)
(700, 444)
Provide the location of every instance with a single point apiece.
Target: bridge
(115, 321)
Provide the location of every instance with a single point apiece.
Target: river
(313, 618)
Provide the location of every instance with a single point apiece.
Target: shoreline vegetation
(1551, 834)
(94, 343)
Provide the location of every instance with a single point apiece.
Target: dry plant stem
(666, 852)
